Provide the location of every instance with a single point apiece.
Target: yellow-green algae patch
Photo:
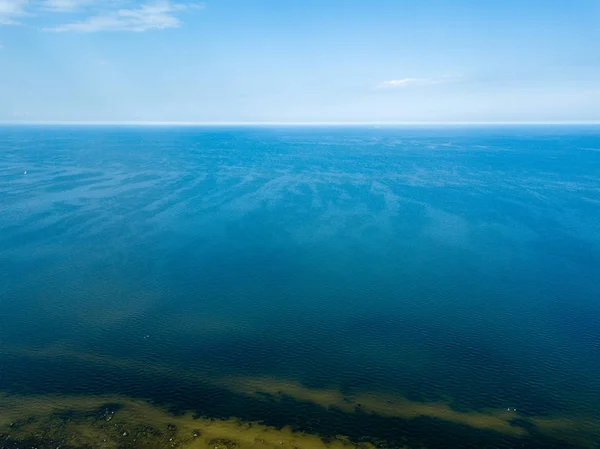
(396, 406)
(582, 430)
(114, 421)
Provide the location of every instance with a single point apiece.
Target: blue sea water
(442, 265)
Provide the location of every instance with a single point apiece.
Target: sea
(300, 287)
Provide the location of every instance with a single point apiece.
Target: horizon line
(268, 123)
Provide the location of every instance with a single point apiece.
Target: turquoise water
(454, 265)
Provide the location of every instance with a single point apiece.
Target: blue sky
(299, 61)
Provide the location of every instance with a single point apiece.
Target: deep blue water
(456, 265)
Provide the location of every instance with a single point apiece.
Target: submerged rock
(222, 443)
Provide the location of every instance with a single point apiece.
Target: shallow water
(417, 287)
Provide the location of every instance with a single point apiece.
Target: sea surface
(351, 286)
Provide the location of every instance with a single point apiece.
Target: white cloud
(156, 15)
(403, 83)
(10, 10)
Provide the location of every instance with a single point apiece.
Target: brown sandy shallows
(579, 429)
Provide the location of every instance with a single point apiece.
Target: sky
(224, 61)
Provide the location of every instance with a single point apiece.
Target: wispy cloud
(10, 10)
(154, 15)
(100, 15)
(403, 83)
(65, 5)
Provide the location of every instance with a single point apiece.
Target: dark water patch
(220, 403)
